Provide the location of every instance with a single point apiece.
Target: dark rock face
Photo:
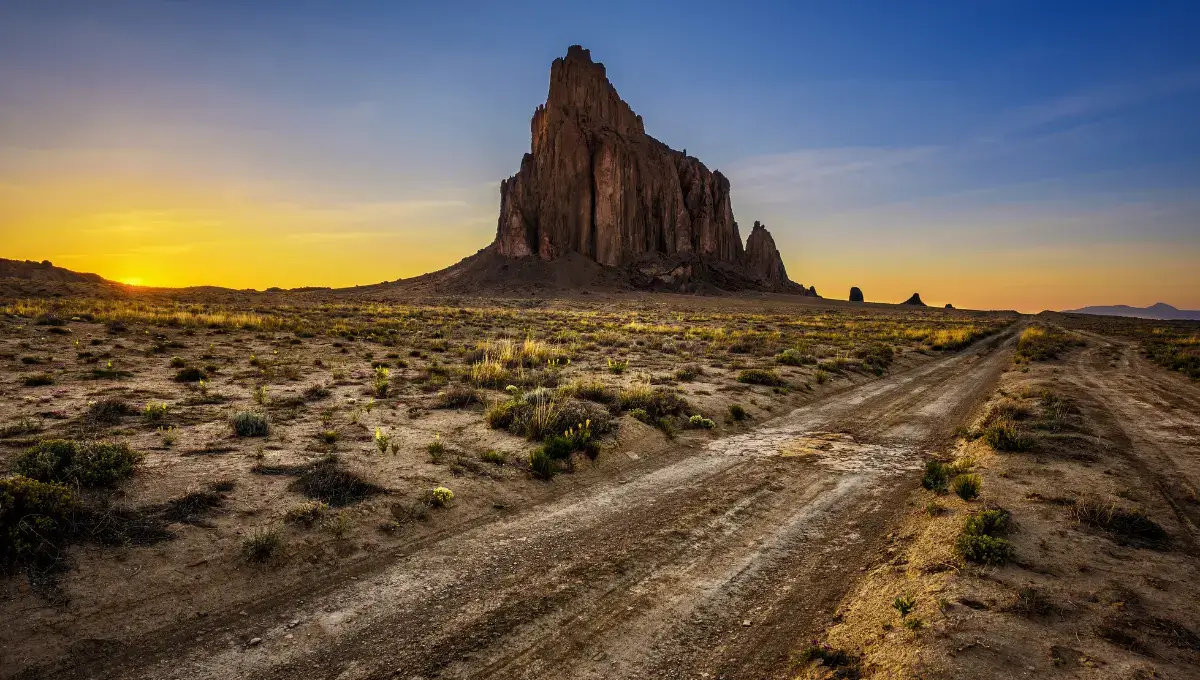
(915, 300)
(763, 260)
(949, 306)
(596, 184)
(855, 294)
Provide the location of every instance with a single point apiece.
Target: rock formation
(594, 183)
(855, 294)
(915, 300)
(949, 306)
(763, 260)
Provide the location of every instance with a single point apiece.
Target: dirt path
(1155, 413)
(719, 560)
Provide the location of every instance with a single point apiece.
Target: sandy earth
(1076, 601)
(717, 560)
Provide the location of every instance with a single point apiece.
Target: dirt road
(716, 561)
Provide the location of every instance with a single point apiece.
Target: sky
(994, 155)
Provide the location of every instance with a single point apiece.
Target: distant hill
(43, 271)
(1160, 310)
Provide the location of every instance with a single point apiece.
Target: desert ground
(219, 484)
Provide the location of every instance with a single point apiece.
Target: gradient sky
(1005, 154)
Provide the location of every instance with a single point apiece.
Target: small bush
(842, 663)
(761, 376)
(904, 604)
(262, 545)
(87, 464)
(307, 514)
(701, 422)
(821, 376)
(737, 412)
(155, 413)
(937, 476)
(189, 374)
(617, 366)
(1127, 525)
(1006, 435)
(250, 424)
(330, 436)
(540, 464)
(689, 372)
(440, 497)
(980, 540)
(34, 520)
(877, 356)
(657, 402)
(457, 396)
(966, 486)
(327, 481)
(592, 391)
(20, 427)
(37, 380)
(490, 373)
(794, 357)
(493, 456)
(177, 362)
(382, 440)
(501, 415)
(107, 412)
(381, 382)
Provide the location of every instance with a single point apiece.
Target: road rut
(719, 560)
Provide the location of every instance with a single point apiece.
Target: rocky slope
(43, 271)
(595, 184)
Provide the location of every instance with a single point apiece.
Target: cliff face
(596, 184)
(764, 263)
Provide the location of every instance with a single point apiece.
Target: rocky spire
(595, 183)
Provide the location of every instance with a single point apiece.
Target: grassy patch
(250, 424)
(1127, 525)
(86, 464)
(327, 481)
(981, 541)
(761, 376)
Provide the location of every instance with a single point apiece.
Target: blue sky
(993, 154)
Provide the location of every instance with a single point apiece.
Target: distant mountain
(43, 271)
(1161, 311)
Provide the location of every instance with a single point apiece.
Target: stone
(763, 260)
(915, 300)
(855, 294)
(595, 184)
(949, 306)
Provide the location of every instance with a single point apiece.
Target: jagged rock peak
(915, 300)
(596, 184)
(856, 294)
(763, 260)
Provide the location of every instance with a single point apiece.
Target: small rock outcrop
(855, 294)
(915, 300)
(594, 183)
(949, 306)
(763, 260)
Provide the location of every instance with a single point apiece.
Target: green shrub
(189, 374)
(937, 476)
(261, 545)
(250, 424)
(1006, 435)
(701, 422)
(440, 497)
(980, 540)
(761, 376)
(457, 396)
(381, 382)
(540, 464)
(327, 481)
(34, 520)
(37, 380)
(107, 412)
(436, 448)
(876, 356)
(737, 412)
(656, 402)
(177, 362)
(87, 464)
(904, 604)
(966, 486)
(493, 456)
(155, 413)
(794, 357)
(1127, 524)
